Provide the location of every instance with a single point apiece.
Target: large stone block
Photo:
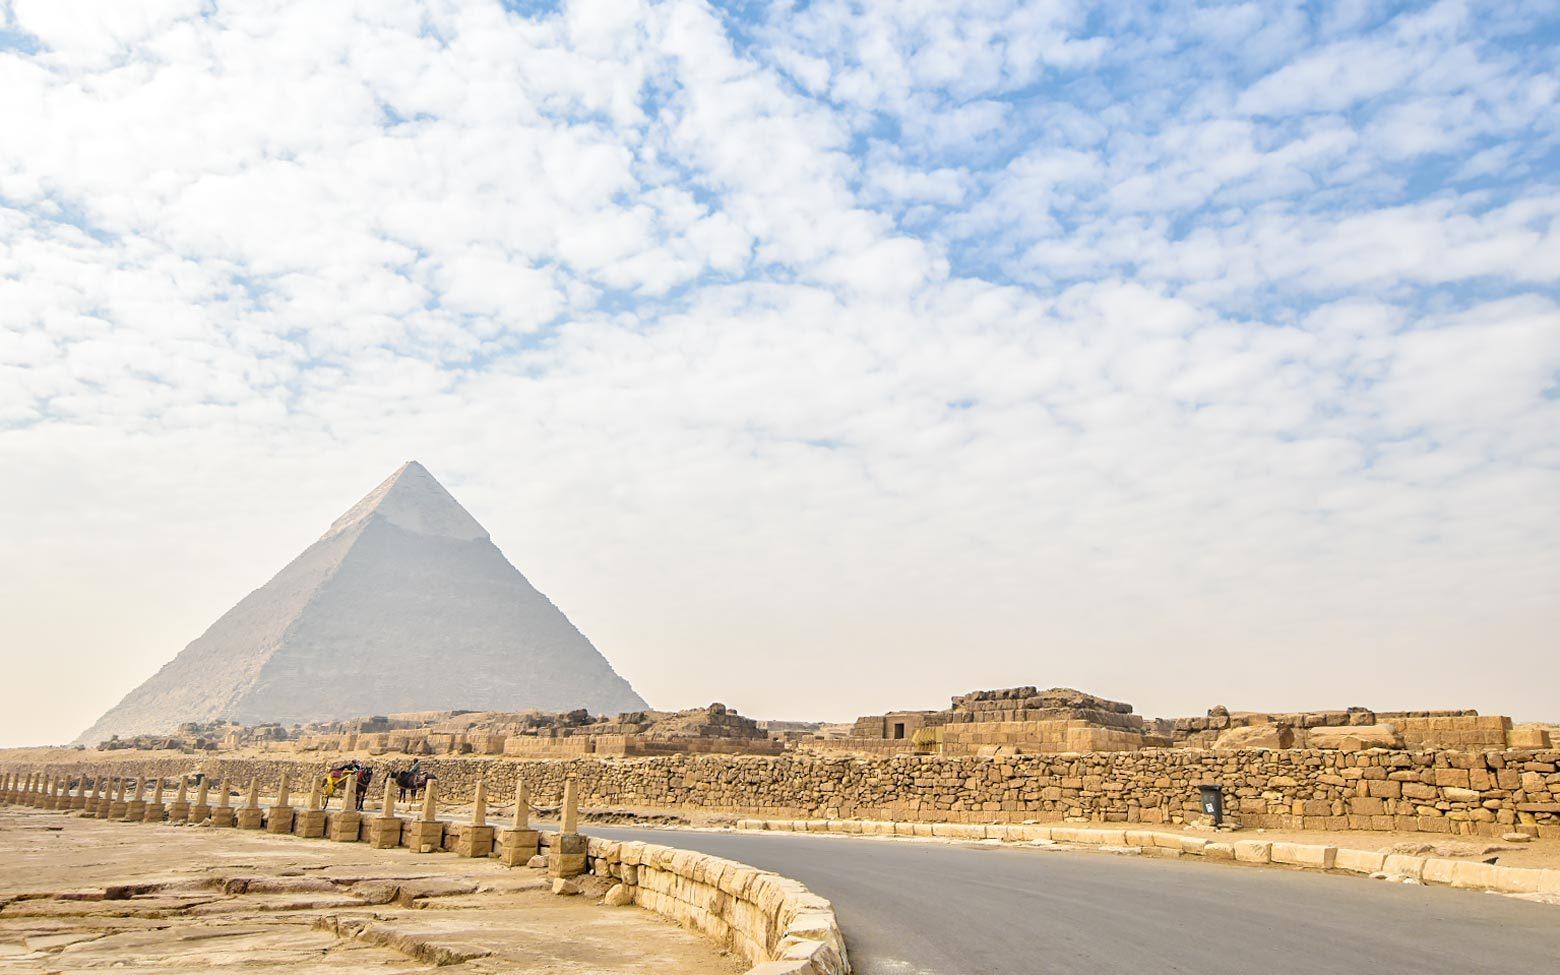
(345, 826)
(1354, 738)
(384, 832)
(1360, 861)
(422, 836)
(516, 847)
(471, 840)
(309, 824)
(280, 820)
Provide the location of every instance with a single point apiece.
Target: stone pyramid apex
(413, 500)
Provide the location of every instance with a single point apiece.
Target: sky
(816, 358)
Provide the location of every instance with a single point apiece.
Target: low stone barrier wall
(1459, 792)
(1469, 874)
(773, 922)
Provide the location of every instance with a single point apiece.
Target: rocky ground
(80, 895)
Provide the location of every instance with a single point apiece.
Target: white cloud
(1004, 331)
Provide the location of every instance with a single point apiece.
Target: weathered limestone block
(1305, 855)
(516, 847)
(1256, 736)
(309, 824)
(250, 815)
(566, 855)
(280, 818)
(135, 809)
(425, 834)
(472, 840)
(1360, 861)
(179, 808)
(224, 815)
(384, 830)
(344, 826)
(1404, 866)
(1529, 737)
(1354, 738)
(1253, 851)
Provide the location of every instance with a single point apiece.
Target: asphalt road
(925, 909)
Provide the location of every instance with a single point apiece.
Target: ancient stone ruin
(1026, 720)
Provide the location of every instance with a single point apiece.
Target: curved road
(930, 909)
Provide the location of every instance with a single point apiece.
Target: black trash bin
(1213, 801)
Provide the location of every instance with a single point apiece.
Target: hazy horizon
(818, 360)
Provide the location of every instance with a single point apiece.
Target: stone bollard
(5, 788)
(310, 823)
(79, 800)
(475, 839)
(425, 834)
(567, 854)
(46, 801)
(155, 810)
(384, 830)
(135, 809)
(347, 826)
(518, 844)
(280, 820)
(224, 814)
(179, 809)
(105, 807)
(89, 802)
(201, 811)
(116, 807)
(250, 815)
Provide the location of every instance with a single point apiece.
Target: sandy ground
(79, 895)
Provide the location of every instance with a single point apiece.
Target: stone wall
(760, 916)
(1465, 731)
(1485, 793)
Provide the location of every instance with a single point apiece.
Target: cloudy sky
(818, 358)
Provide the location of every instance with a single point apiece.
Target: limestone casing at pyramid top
(413, 500)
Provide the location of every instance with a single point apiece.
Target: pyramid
(405, 604)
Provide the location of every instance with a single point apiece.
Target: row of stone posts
(124, 799)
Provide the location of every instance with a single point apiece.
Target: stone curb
(1470, 875)
(774, 922)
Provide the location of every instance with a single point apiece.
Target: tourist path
(967, 909)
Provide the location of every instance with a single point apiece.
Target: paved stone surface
(84, 895)
(922, 909)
